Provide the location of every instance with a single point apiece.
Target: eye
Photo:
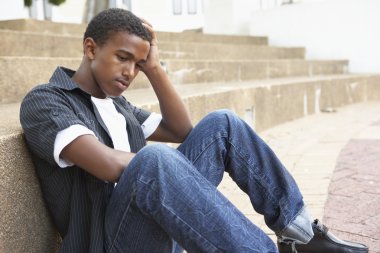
(121, 58)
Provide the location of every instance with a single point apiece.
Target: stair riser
(19, 75)
(44, 45)
(229, 51)
(207, 71)
(78, 30)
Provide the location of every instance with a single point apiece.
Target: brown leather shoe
(322, 242)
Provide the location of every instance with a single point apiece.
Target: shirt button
(55, 113)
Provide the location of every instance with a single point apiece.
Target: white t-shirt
(115, 123)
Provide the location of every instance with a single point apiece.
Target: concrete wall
(330, 29)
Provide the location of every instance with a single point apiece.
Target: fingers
(149, 27)
(145, 22)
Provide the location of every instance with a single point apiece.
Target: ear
(89, 46)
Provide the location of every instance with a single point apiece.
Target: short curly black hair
(113, 20)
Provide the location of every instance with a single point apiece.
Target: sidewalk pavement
(335, 159)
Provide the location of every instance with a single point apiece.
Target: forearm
(96, 158)
(175, 115)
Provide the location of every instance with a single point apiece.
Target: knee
(222, 117)
(157, 162)
(154, 153)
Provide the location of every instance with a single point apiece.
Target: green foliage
(28, 3)
(56, 2)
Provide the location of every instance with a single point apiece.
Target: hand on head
(153, 57)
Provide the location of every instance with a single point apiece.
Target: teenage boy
(106, 192)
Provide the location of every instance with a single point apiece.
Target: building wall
(330, 29)
(12, 10)
(228, 16)
(160, 14)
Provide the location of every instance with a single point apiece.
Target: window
(192, 6)
(177, 7)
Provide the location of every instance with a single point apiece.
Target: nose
(129, 70)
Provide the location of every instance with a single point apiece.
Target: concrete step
(311, 94)
(263, 104)
(217, 51)
(211, 38)
(20, 74)
(194, 71)
(16, 43)
(78, 29)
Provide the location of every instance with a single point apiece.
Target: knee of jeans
(154, 153)
(153, 159)
(156, 149)
(222, 117)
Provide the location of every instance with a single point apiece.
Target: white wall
(228, 16)
(330, 29)
(71, 11)
(13, 9)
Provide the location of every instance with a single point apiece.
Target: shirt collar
(61, 78)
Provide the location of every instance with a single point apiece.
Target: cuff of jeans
(300, 229)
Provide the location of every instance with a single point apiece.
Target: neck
(85, 80)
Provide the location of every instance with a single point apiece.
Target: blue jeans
(167, 194)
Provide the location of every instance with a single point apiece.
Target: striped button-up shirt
(76, 199)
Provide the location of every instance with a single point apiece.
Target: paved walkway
(335, 159)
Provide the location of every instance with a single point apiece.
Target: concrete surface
(20, 74)
(47, 27)
(25, 43)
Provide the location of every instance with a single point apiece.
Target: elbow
(112, 176)
(113, 170)
(183, 135)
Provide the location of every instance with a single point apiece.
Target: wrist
(155, 71)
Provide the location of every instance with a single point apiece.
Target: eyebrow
(130, 54)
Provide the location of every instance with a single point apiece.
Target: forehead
(131, 43)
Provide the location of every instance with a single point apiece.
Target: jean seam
(184, 222)
(121, 223)
(224, 135)
(241, 156)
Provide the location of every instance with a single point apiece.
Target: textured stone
(353, 206)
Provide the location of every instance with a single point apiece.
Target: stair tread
(188, 60)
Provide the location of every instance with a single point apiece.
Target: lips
(123, 82)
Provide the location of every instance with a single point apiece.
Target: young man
(108, 193)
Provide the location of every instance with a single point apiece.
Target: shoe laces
(293, 245)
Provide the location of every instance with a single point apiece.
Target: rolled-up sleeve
(150, 124)
(44, 113)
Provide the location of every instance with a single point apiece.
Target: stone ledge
(45, 45)
(26, 72)
(33, 25)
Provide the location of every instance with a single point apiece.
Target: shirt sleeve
(45, 112)
(64, 138)
(150, 124)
